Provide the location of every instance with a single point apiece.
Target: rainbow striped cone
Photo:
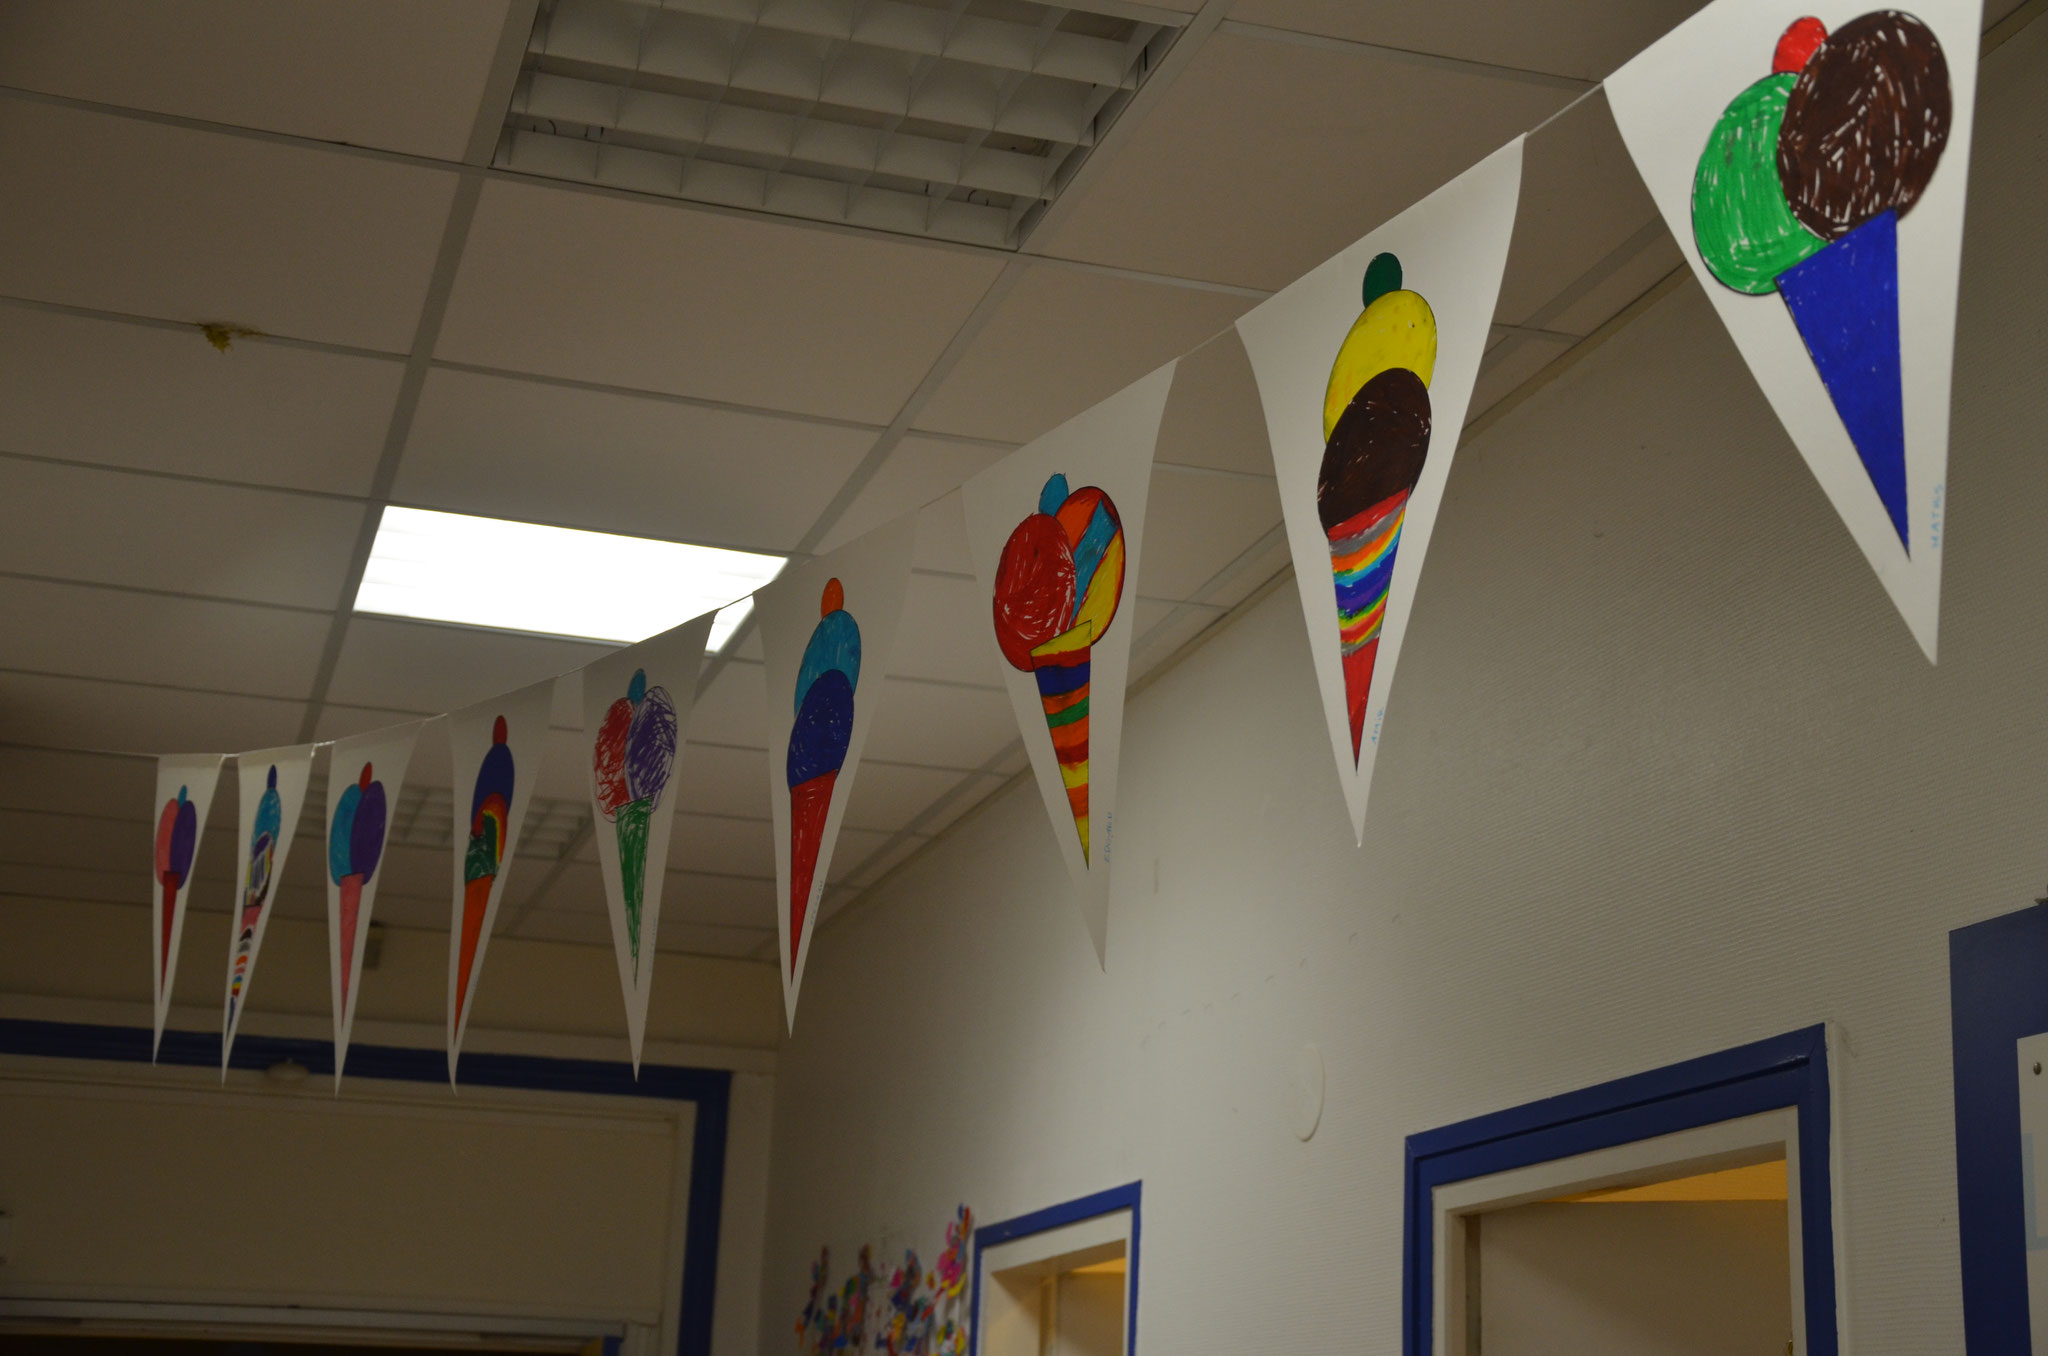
(1063, 692)
(1362, 562)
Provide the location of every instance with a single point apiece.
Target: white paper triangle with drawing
(828, 632)
(365, 774)
(184, 794)
(1812, 161)
(636, 712)
(1365, 369)
(1055, 530)
(273, 790)
(495, 750)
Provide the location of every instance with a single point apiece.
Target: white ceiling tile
(422, 912)
(858, 850)
(83, 713)
(76, 783)
(938, 726)
(723, 901)
(721, 780)
(167, 400)
(339, 721)
(420, 666)
(389, 73)
(1252, 570)
(1608, 288)
(889, 855)
(688, 938)
(920, 474)
(616, 463)
(726, 847)
(565, 770)
(946, 633)
(108, 633)
(1063, 339)
(889, 796)
(75, 883)
(1164, 630)
(428, 873)
(1587, 39)
(1511, 362)
(117, 214)
(1341, 142)
(577, 927)
(734, 709)
(1213, 414)
(110, 527)
(1196, 524)
(669, 298)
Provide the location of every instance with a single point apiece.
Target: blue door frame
(709, 1089)
(1108, 1202)
(1784, 1071)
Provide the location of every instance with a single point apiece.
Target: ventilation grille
(958, 120)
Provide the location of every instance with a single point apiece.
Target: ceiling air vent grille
(957, 120)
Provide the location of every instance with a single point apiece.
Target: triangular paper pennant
(273, 789)
(828, 630)
(365, 773)
(1055, 530)
(1812, 160)
(495, 750)
(1365, 368)
(184, 793)
(636, 711)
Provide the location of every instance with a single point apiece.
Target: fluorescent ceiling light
(553, 581)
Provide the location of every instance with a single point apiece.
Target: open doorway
(1061, 1281)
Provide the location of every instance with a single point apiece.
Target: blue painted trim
(709, 1089)
(1998, 993)
(1125, 1197)
(1784, 1071)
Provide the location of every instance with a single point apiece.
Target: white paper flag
(184, 793)
(636, 709)
(1812, 159)
(1365, 368)
(365, 773)
(273, 788)
(1055, 530)
(495, 750)
(828, 629)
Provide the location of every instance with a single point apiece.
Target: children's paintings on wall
(636, 708)
(273, 789)
(1365, 368)
(184, 793)
(364, 776)
(1812, 162)
(1055, 531)
(918, 1313)
(495, 750)
(828, 631)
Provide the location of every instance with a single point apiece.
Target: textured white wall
(1664, 773)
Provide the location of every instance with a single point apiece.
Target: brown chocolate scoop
(1377, 448)
(1866, 123)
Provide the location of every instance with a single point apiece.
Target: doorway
(1061, 1281)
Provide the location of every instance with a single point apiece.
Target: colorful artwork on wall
(184, 793)
(1365, 368)
(828, 635)
(1055, 530)
(495, 750)
(921, 1313)
(1813, 166)
(365, 774)
(636, 709)
(273, 789)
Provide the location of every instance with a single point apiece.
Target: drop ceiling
(439, 322)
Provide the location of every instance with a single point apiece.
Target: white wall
(1663, 773)
(1643, 1278)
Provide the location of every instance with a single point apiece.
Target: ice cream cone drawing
(268, 824)
(1801, 189)
(355, 844)
(1057, 587)
(818, 741)
(490, 813)
(1376, 421)
(631, 762)
(177, 838)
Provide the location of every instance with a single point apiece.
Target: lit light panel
(554, 581)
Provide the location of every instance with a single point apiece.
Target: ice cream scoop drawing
(1376, 437)
(632, 759)
(269, 823)
(355, 844)
(1057, 587)
(177, 838)
(1800, 191)
(818, 740)
(490, 813)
